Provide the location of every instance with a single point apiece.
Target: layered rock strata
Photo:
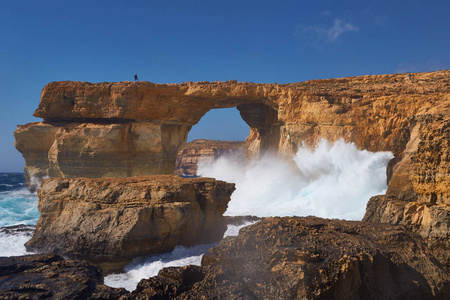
(308, 258)
(112, 219)
(192, 152)
(125, 128)
(48, 276)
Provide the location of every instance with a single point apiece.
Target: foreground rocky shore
(276, 258)
(93, 132)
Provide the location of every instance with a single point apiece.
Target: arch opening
(244, 131)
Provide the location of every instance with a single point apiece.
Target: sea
(18, 214)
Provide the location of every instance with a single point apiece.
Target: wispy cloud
(324, 33)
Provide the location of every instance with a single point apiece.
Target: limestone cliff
(192, 152)
(120, 218)
(125, 128)
(426, 211)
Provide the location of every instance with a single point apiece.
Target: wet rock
(48, 276)
(18, 229)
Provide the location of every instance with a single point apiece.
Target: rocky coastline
(110, 150)
(112, 220)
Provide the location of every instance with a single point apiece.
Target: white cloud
(329, 34)
(339, 27)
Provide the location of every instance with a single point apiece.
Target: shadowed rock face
(119, 218)
(308, 258)
(48, 276)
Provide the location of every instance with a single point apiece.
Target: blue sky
(176, 41)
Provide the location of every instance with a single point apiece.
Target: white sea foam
(334, 181)
(150, 266)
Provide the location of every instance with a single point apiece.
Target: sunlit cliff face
(332, 181)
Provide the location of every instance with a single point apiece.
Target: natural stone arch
(126, 129)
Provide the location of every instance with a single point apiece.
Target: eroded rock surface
(48, 276)
(427, 210)
(111, 219)
(308, 258)
(192, 152)
(126, 128)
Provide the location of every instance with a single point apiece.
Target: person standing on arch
(135, 77)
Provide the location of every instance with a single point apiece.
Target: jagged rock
(126, 128)
(192, 152)
(111, 219)
(48, 276)
(430, 221)
(308, 258)
(427, 211)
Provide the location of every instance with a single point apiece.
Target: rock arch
(128, 129)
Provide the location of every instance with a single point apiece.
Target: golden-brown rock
(429, 220)
(192, 152)
(120, 218)
(425, 211)
(376, 112)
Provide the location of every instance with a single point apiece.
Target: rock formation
(127, 129)
(48, 276)
(308, 258)
(426, 210)
(192, 152)
(114, 219)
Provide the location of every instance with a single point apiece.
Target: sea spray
(332, 181)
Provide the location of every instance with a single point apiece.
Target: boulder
(308, 258)
(114, 219)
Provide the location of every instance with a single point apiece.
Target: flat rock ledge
(116, 219)
(308, 258)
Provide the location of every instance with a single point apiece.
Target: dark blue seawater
(17, 204)
(18, 214)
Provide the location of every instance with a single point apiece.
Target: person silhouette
(135, 77)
